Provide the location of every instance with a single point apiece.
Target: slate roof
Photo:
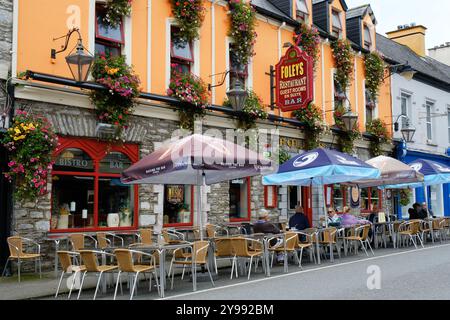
(425, 65)
(265, 5)
(344, 5)
(361, 12)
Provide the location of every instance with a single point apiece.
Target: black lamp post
(79, 60)
(237, 95)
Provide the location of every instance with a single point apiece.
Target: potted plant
(125, 217)
(63, 219)
(183, 213)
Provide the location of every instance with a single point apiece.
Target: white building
(425, 101)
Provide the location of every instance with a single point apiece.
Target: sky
(433, 14)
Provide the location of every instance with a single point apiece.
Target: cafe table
(57, 239)
(162, 249)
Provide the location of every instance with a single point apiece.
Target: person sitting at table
(263, 225)
(299, 221)
(420, 212)
(427, 213)
(333, 219)
(412, 214)
(350, 220)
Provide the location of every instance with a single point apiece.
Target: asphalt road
(422, 274)
(393, 274)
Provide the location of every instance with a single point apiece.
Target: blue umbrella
(434, 174)
(321, 167)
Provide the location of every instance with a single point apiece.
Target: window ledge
(431, 144)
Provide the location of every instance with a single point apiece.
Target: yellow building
(147, 38)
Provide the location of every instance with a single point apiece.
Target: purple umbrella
(196, 160)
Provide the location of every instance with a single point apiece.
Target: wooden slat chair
(105, 243)
(438, 228)
(68, 268)
(145, 238)
(172, 237)
(289, 245)
(199, 255)
(241, 249)
(126, 265)
(306, 243)
(17, 252)
(327, 238)
(223, 250)
(212, 231)
(361, 236)
(426, 227)
(78, 241)
(411, 230)
(90, 261)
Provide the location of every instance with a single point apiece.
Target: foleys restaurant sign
(294, 80)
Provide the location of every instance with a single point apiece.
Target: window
(429, 120)
(240, 71)
(336, 29)
(367, 38)
(370, 107)
(178, 209)
(294, 196)
(86, 189)
(340, 96)
(181, 52)
(108, 40)
(340, 198)
(270, 196)
(370, 199)
(448, 123)
(405, 105)
(239, 197)
(302, 11)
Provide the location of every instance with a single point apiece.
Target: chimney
(412, 36)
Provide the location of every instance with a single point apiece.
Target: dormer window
(302, 11)
(336, 29)
(367, 38)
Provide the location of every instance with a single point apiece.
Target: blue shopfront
(439, 195)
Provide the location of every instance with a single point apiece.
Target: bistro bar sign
(294, 80)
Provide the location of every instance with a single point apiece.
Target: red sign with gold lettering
(294, 80)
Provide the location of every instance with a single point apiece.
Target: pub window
(336, 27)
(340, 198)
(239, 197)
(367, 38)
(108, 40)
(294, 197)
(237, 69)
(370, 199)
(370, 107)
(178, 205)
(302, 11)
(86, 190)
(340, 96)
(181, 53)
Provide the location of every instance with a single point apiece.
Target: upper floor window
(448, 121)
(370, 107)
(340, 96)
(367, 38)
(181, 52)
(302, 11)
(238, 70)
(336, 29)
(405, 106)
(108, 40)
(429, 119)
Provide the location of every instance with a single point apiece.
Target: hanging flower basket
(116, 10)
(189, 16)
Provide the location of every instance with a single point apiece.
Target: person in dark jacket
(299, 221)
(263, 225)
(420, 212)
(412, 214)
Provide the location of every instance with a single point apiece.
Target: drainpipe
(279, 39)
(213, 49)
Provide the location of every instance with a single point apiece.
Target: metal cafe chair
(105, 243)
(361, 236)
(411, 231)
(68, 268)
(241, 250)
(288, 245)
(78, 241)
(90, 261)
(126, 264)
(327, 238)
(17, 252)
(199, 252)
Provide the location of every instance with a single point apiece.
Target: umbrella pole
(324, 203)
(199, 204)
(425, 190)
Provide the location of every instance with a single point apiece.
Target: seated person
(299, 221)
(412, 214)
(349, 220)
(263, 225)
(333, 219)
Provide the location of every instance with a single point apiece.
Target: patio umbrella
(392, 172)
(321, 167)
(196, 160)
(434, 174)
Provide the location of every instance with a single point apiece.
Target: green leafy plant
(189, 15)
(374, 66)
(252, 111)
(283, 156)
(115, 10)
(343, 58)
(313, 127)
(242, 29)
(31, 142)
(190, 89)
(346, 138)
(308, 39)
(378, 129)
(115, 104)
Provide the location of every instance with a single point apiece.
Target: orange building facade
(145, 38)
